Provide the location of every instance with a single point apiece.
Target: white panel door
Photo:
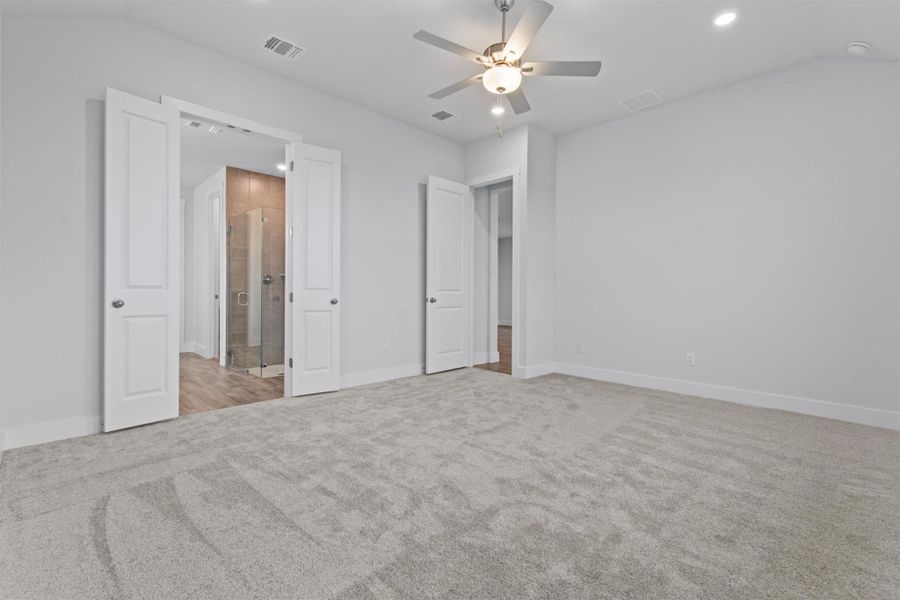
(448, 275)
(315, 194)
(140, 350)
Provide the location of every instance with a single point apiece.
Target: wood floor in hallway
(504, 347)
(206, 385)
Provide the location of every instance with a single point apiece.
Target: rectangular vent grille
(194, 124)
(443, 115)
(283, 48)
(641, 101)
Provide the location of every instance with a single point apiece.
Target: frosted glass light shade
(502, 79)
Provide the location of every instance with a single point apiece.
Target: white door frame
(214, 271)
(493, 274)
(277, 134)
(519, 219)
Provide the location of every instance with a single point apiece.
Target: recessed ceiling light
(725, 19)
(281, 167)
(498, 110)
(858, 48)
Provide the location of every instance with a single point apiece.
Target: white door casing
(141, 295)
(216, 232)
(448, 275)
(315, 242)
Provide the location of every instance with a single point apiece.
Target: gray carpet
(467, 484)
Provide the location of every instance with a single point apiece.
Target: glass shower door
(272, 292)
(243, 318)
(255, 317)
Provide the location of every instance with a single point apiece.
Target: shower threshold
(267, 371)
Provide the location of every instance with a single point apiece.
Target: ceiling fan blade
(452, 89)
(518, 101)
(566, 68)
(443, 44)
(534, 16)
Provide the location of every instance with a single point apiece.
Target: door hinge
(291, 297)
(290, 363)
(290, 232)
(292, 165)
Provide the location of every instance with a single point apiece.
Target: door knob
(432, 299)
(118, 303)
(334, 300)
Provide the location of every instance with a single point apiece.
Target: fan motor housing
(494, 52)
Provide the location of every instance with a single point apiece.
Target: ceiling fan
(502, 61)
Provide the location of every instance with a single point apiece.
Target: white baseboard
(49, 431)
(505, 323)
(192, 347)
(806, 406)
(349, 380)
(538, 370)
(479, 358)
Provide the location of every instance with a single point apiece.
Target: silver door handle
(334, 300)
(118, 303)
(246, 299)
(432, 299)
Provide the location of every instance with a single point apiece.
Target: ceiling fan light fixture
(502, 79)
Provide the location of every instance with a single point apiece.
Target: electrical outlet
(384, 350)
(579, 347)
(689, 359)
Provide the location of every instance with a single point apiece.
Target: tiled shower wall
(246, 191)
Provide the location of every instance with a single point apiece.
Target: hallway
(504, 347)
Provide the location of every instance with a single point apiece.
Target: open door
(448, 275)
(140, 351)
(315, 196)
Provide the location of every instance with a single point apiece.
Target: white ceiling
(363, 50)
(203, 153)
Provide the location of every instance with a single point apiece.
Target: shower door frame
(276, 134)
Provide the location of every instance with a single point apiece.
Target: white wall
(183, 264)
(488, 157)
(504, 283)
(201, 267)
(755, 226)
(2, 339)
(533, 152)
(541, 241)
(52, 104)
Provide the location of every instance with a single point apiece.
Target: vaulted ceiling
(363, 51)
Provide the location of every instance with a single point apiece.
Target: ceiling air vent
(443, 115)
(194, 124)
(282, 47)
(641, 101)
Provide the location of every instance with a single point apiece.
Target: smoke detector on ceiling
(858, 48)
(283, 48)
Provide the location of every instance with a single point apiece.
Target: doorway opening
(232, 267)
(144, 269)
(492, 239)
